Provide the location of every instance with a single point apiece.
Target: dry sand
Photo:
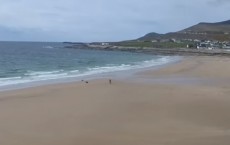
(187, 103)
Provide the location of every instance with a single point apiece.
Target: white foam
(48, 47)
(74, 71)
(11, 78)
(36, 73)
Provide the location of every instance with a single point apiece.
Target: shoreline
(156, 51)
(109, 74)
(157, 106)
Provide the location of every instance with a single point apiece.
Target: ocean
(26, 62)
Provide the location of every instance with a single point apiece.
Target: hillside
(208, 31)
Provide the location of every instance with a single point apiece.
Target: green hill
(204, 31)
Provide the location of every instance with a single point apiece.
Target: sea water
(26, 62)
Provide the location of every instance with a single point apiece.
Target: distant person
(110, 81)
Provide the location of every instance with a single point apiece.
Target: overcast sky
(103, 20)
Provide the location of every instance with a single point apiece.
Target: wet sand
(186, 103)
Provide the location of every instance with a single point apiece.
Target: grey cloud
(101, 20)
(218, 2)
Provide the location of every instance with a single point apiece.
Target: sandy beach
(186, 103)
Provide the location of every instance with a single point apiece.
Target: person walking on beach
(110, 81)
